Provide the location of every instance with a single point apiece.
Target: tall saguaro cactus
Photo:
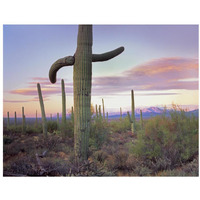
(82, 82)
(44, 121)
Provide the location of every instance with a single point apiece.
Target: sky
(160, 63)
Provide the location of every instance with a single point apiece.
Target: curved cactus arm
(66, 61)
(107, 56)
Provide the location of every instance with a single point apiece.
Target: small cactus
(103, 110)
(8, 120)
(132, 117)
(96, 111)
(100, 116)
(107, 116)
(120, 113)
(44, 121)
(58, 121)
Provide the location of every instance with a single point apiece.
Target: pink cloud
(158, 74)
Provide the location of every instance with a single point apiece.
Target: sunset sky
(160, 63)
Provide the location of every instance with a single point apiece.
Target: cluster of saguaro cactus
(82, 79)
(44, 121)
(132, 117)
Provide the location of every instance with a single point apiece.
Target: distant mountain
(150, 112)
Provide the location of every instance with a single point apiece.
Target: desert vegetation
(165, 145)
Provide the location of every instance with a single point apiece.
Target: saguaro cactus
(44, 121)
(82, 82)
(100, 116)
(63, 124)
(8, 120)
(104, 117)
(58, 121)
(132, 117)
(120, 113)
(96, 111)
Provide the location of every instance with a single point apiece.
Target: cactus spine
(44, 121)
(63, 124)
(82, 82)
(103, 110)
(8, 120)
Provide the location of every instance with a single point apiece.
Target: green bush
(121, 125)
(172, 139)
(52, 126)
(99, 133)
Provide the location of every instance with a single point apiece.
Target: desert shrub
(190, 169)
(142, 171)
(120, 125)
(100, 156)
(99, 133)
(7, 140)
(12, 149)
(168, 141)
(52, 126)
(20, 166)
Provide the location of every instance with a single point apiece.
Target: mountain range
(150, 112)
